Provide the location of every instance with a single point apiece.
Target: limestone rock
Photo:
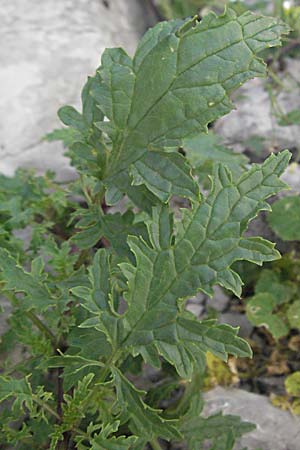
(253, 117)
(276, 429)
(220, 300)
(49, 48)
(236, 319)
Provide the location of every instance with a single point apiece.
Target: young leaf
(143, 420)
(37, 295)
(260, 312)
(20, 390)
(288, 230)
(100, 442)
(115, 228)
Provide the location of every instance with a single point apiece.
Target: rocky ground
(49, 49)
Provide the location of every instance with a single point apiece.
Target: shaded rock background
(48, 49)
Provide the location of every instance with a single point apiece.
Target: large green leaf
(196, 67)
(208, 240)
(178, 81)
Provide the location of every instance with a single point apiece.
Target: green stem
(46, 407)
(155, 445)
(42, 327)
(276, 79)
(34, 319)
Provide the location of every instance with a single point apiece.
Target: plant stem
(42, 327)
(34, 319)
(155, 445)
(46, 407)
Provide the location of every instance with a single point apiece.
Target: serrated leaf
(218, 429)
(285, 218)
(143, 420)
(205, 150)
(208, 243)
(100, 442)
(98, 299)
(20, 390)
(165, 174)
(197, 66)
(71, 117)
(185, 343)
(115, 228)
(37, 295)
(260, 311)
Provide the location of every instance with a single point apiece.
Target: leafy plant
(92, 308)
(292, 385)
(276, 303)
(287, 230)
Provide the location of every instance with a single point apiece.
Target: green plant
(292, 385)
(92, 308)
(276, 304)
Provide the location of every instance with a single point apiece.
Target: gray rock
(220, 300)
(292, 177)
(253, 115)
(276, 429)
(196, 309)
(237, 320)
(196, 305)
(49, 48)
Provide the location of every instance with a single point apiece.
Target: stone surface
(237, 320)
(276, 429)
(252, 116)
(196, 305)
(220, 300)
(292, 178)
(48, 49)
